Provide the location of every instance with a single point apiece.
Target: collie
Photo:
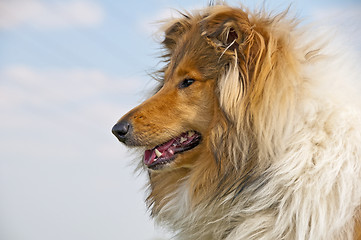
(252, 132)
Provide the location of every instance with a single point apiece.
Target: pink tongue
(149, 155)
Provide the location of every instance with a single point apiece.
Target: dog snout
(122, 130)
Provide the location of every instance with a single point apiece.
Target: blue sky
(68, 70)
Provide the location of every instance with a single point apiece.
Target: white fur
(313, 185)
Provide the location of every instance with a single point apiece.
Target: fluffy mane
(253, 132)
(272, 141)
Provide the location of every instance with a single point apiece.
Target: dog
(252, 132)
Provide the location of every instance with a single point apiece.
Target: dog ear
(230, 32)
(226, 29)
(174, 31)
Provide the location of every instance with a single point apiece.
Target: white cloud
(24, 85)
(75, 108)
(42, 14)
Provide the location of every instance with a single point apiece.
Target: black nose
(121, 130)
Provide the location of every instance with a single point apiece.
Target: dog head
(210, 60)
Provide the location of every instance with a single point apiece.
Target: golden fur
(280, 158)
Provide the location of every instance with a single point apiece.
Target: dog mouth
(165, 153)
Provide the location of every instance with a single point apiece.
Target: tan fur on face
(280, 157)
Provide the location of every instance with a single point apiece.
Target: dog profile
(252, 133)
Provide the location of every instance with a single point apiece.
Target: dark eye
(186, 83)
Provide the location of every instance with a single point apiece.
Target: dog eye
(186, 83)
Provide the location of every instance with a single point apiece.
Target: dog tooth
(183, 139)
(190, 134)
(157, 152)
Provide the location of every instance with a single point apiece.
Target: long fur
(281, 158)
